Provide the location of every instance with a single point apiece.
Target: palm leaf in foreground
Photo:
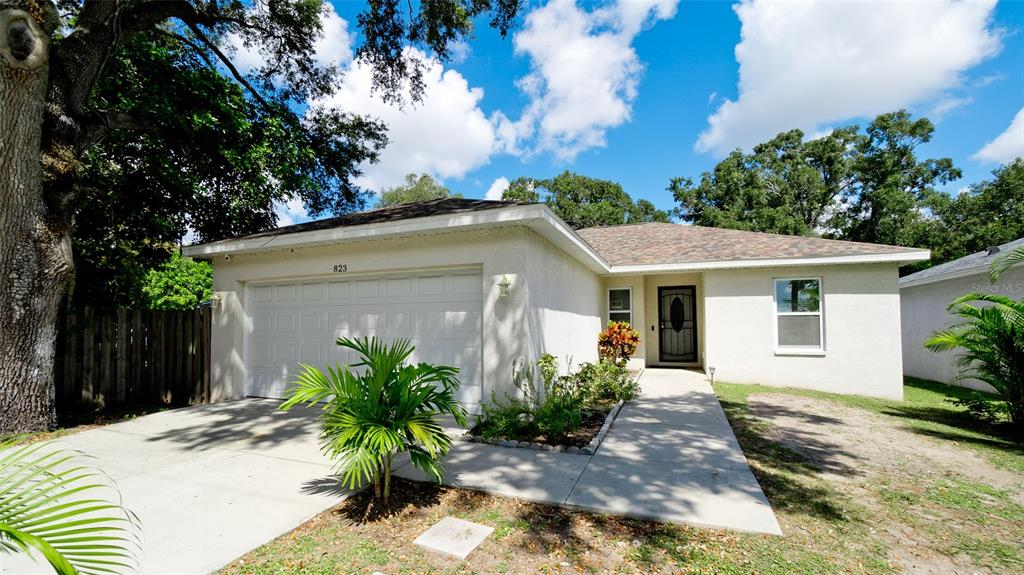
(54, 505)
(1005, 262)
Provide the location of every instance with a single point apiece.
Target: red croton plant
(618, 342)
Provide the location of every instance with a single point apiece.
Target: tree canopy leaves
(862, 185)
(175, 138)
(583, 201)
(179, 283)
(419, 188)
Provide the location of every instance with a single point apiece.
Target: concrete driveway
(209, 483)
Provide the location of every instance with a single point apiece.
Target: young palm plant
(991, 338)
(49, 505)
(383, 408)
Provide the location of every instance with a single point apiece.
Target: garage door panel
(430, 285)
(299, 321)
(312, 291)
(284, 293)
(337, 290)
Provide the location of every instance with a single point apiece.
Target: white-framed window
(799, 318)
(620, 305)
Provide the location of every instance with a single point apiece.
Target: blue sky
(641, 91)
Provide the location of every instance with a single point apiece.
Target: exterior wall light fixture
(504, 287)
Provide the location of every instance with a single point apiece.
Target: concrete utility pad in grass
(454, 537)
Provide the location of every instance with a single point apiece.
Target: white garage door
(299, 321)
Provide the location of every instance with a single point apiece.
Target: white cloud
(446, 134)
(332, 48)
(804, 64)
(498, 187)
(291, 212)
(584, 74)
(1006, 146)
(947, 104)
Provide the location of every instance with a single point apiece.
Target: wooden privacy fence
(123, 356)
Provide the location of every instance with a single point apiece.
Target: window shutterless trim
(629, 301)
(799, 349)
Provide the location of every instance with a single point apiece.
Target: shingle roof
(659, 243)
(394, 213)
(977, 262)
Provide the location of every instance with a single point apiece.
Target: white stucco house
(477, 284)
(925, 295)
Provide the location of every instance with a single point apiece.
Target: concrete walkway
(670, 456)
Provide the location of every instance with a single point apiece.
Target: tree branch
(103, 123)
(227, 62)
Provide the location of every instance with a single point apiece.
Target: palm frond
(384, 408)
(1005, 262)
(989, 342)
(50, 503)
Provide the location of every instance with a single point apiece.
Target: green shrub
(551, 407)
(558, 416)
(605, 381)
(509, 418)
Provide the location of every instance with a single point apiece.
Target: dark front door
(677, 319)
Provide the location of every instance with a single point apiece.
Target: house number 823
(341, 268)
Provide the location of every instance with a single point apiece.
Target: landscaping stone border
(588, 449)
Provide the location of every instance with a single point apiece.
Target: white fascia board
(515, 215)
(901, 258)
(556, 231)
(538, 217)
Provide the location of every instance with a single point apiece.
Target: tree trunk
(377, 484)
(387, 480)
(35, 252)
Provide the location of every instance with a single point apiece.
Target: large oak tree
(58, 60)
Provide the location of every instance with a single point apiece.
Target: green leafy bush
(558, 416)
(550, 406)
(509, 418)
(605, 381)
(180, 283)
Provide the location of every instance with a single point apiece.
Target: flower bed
(585, 439)
(552, 412)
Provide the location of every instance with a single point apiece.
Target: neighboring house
(478, 284)
(925, 296)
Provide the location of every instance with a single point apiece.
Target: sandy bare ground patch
(922, 491)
